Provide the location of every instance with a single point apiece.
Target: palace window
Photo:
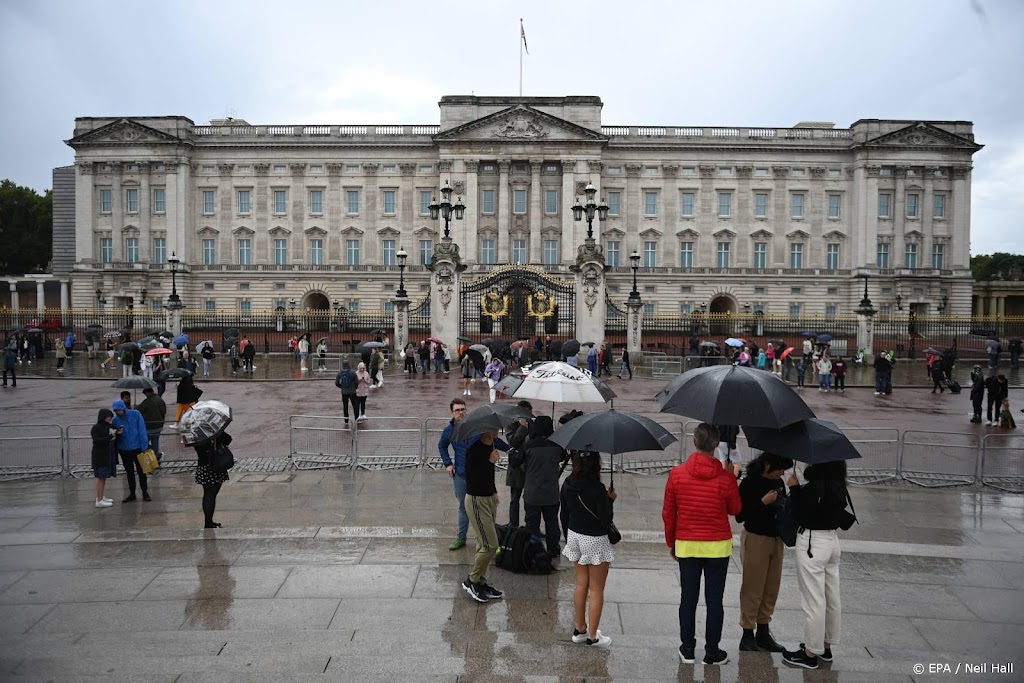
(132, 201)
(760, 255)
(611, 251)
(316, 252)
(650, 203)
(686, 254)
(686, 203)
(797, 205)
(352, 252)
(724, 204)
(245, 252)
(426, 252)
(208, 202)
(724, 249)
(280, 252)
(832, 256)
(882, 259)
(761, 204)
(650, 254)
(614, 203)
(551, 201)
(388, 252)
(316, 201)
(159, 200)
(159, 250)
(105, 201)
(550, 252)
(280, 202)
(243, 201)
(352, 199)
(209, 252)
(131, 250)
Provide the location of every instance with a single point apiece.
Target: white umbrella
(204, 421)
(560, 383)
(203, 344)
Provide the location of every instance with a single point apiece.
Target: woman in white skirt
(586, 515)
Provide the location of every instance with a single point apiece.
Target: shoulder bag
(613, 532)
(222, 459)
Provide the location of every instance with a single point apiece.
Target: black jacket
(997, 390)
(154, 411)
(816, 506)
(977, 390)
(101, 439)
(542, 462)
(515, 475)
(882, 365)
(574, 516)
(759, 518)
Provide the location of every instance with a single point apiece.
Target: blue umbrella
(734, 342)
(181, 340)
(808, 333)
(824, 338)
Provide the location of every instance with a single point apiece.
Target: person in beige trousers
(761, 550)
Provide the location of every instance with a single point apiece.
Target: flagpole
(520, 57)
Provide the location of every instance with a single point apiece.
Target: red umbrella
(786, 353)
(159, 352)
(434, 340)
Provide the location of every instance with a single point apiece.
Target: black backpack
(521, 552)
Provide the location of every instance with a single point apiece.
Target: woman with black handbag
(820, 508)
(214, 461)
(586, 512)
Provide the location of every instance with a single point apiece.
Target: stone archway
(316, 301)
(720, 308)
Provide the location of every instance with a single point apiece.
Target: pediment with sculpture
(520, 123)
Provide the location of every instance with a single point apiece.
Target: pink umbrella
(786, 353)
(159, 352)
(434, 340)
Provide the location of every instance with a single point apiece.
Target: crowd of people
(700, 496)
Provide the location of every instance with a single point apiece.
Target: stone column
(502, 254)
(15, 304)
(402, 323)
(1001, 306)
(64, 302)
(472, 201)
(960, 218)
(40, 297)
(591, 310)
(568, 237)
(85, 214)
(634, 329)
(445, 265)
(117, 213)
(174, 318)
(536, 213)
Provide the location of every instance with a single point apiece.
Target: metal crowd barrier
(318, 442)
(1002, 462)
(31, 450)
(386, 443)
(880, 455)
(936, 459)
(657, 462)
(432, 428)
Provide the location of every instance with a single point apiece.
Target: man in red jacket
(700, 496)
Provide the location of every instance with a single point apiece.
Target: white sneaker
(601, 641)
(104, 503)
(109, 500)
(878, 393)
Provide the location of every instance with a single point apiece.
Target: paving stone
(299, 551)
(385, 581)
(243, 614)
(165, 615)
(78, 585)
(214, 581)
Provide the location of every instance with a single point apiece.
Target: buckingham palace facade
(781, 220)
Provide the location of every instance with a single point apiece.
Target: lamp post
(634, 263)
(944, 304)
(174, 301)
(401, 256)
(590, 208)
(899, 302)
(446, 209)
(142, 296)
(865, 329)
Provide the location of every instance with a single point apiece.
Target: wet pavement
(344, 575)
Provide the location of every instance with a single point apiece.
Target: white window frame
(938, 256)
(487, 202)
(316, 202)
(280, 202)
(280, 251)
(488, 252)
(916, 206)
(159, 249)
(159, 200)
(796, 255)
(244, 202)
(686, 254)
(352, 199)
(723, 248)
(106, 250)
(550, 252)
(352, 251)
(520, 253)
(613, 252)
(392, 196)
(797, 205)
(131, 249)
(650, 204)
(106, 200)
(131, 200)
(614, 203)
(760, 211)
(388, 251)
(939, 206)
(209, 202)
(316, 251)
(426, 252)
(835, 206)
(833, 256)
(725, 202)
(760, 251)
(883, 252)
(687, 204)
(550, 202)
(888, 205)
(426, 199)
(243, 249)
(910, 254)
(519, 202)
(650, 254)
(209, 251)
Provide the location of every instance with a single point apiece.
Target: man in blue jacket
(457, 467)
(132, 439)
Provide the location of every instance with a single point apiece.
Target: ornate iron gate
(518, 301)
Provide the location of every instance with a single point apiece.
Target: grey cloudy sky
(685, 62)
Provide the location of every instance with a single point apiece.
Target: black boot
(765, 641)
(747, 642)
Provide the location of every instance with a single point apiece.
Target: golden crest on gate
(541, 305)
(494, 304)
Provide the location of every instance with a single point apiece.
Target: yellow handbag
(147, 459)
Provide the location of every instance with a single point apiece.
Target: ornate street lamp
(590, 208)
(944, 304)
(142, 296)
(401, 256)
(634, 263)
(446, 209)
(865, 303)
(100, 301)
(174, 301)
(899, 302)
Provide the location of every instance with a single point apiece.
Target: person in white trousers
(820, 510)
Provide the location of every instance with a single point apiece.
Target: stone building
(782, 220)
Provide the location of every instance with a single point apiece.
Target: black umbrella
(612, 431)
(603, 388)
(735, 395)
(174, 373)
(367, 347)
(134, 382)
(570, 348)
(494, 343)
(709, 344)
(810, 441)
(477, 358)
(127, 345)
(588, 344)
(983, 332)
(487, 417)
(231, 332)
